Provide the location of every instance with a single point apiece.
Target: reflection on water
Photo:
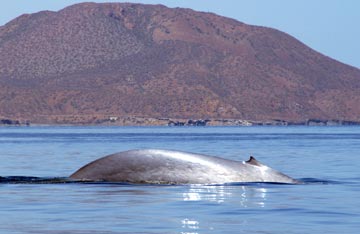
(208, 193)
(248, 196)
(241, 196)
(190, 224)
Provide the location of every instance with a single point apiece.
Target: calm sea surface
(325, 157)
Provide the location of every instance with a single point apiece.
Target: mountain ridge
(125, 59)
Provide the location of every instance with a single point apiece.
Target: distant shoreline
(148, 121)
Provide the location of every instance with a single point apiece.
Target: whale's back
(157, 166)
(174, 167)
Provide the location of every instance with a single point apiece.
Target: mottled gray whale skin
(156, 166)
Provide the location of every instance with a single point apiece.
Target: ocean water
(326, 158)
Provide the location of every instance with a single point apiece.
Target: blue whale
(155, 166)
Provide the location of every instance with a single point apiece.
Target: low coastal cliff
(145, 121)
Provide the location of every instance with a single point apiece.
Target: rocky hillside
(92, 61)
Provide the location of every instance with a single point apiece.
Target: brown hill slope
(119, 59)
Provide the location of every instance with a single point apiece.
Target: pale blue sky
(328, 26)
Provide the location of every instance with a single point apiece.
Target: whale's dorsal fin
(253, 161)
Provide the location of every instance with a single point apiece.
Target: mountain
(90, 61)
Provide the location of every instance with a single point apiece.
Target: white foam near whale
(156, 166)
